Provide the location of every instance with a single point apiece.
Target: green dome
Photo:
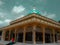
(35, 11)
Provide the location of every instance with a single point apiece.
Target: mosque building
(32, 28)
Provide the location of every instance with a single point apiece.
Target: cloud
(49, 15)
(44, 13)
(18, 9)
(52, 16)
(20, 16)
(2, 14)
(1, 22)
(5, 22)
(1, 2)
(41, 2)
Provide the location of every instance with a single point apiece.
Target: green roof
(34, 11)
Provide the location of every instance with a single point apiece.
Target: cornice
(35, 15)
(32, 20)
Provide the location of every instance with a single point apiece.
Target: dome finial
(34, 8)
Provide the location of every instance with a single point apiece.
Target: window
(28, 37)
(39, 35)
(57, 36)
(29, 34)
(48, 35)
(20, 37)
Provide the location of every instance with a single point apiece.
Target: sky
(13, 9)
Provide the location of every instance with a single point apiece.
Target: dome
(35, 11)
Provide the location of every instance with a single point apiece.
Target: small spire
(34, 8)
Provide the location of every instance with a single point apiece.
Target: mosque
(32, 28)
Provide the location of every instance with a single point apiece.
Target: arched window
(29, 28)
(29, 34)
(38, 29)
(20, 35)
(39, 34)
(48, 35)
(48, 30)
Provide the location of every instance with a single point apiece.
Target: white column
(53, 35)
(3, 35)
(24, 34)
(15, 34)
(9, 34)
(43, 35)
(34, 36)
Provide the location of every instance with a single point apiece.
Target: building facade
(32, 28)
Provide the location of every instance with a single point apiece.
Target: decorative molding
(33, 18)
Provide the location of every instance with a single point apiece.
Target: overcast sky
(14, 9)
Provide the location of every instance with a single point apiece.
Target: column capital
(34, 27)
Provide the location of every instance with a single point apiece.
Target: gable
(32, 16)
